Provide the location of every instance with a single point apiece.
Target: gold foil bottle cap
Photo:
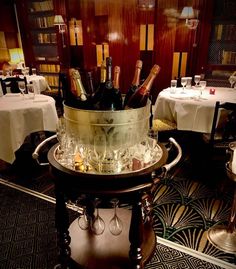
(155, 69)
(139, 64)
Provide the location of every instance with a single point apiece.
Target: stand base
(222, 239)
(107, 251)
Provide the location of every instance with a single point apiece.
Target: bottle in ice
(82, 99)
(140, 97)
(111, 97)
(97, 95)
(135, 83)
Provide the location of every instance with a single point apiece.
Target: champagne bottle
(135, 83)
(82, 100)
(116, 88)
(90, 82)
(96, 96)
(110, 99)
(140, 97)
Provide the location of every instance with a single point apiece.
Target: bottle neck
(116, 79)
(147, 84)
(103, 75)
(80, 91)
(136, 79)
(109, 83)
(90, 83)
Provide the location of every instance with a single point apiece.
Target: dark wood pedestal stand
(81, 248)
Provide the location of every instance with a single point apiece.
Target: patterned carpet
(28, 237)
(186, 204)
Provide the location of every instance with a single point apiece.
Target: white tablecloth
(189, 113)
(19, 117)
(39, 82)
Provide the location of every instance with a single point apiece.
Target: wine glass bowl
(84, 220)
(22, 87)
(173, 85)
(115, 224)
(197, 79)
(98, 224)
(183, 83)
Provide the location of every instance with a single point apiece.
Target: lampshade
(58, 20)
(187, 13)
(16, 55)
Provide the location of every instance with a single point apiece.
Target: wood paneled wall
(118, 24)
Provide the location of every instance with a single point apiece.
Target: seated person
(6, 68)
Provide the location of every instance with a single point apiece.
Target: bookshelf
(222, 49)
(41, 48)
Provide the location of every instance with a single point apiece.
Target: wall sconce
(188, 14)
(58, 20)
(146, 4)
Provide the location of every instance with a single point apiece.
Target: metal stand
(224, 238)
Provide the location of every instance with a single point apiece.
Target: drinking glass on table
(189, 83)
(202, 84)
(197, 79)
(30, 89)
(34, 71)
(173, 85)
(21, 85)
(183, 83)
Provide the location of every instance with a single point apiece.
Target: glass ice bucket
(107, 138)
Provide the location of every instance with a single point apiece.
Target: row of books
(53, 81)
(47, 38)
(228, 57)
(41, 6)
(42, 58)
(225, 32)
(43, 22)
(50, 68)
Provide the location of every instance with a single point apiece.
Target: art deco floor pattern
(185, 206)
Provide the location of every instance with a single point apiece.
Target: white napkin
(234, 162)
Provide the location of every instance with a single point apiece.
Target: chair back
(10, 84)
(223, 128)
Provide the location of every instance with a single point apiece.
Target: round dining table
(21, 116)
(190, 112)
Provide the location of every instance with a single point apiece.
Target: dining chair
(214, 153)
(223, 130)
(10, 84)
(58, 93)
(163, 129)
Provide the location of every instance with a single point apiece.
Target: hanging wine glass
(98, 224)
(84, 220)
(115, 224)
